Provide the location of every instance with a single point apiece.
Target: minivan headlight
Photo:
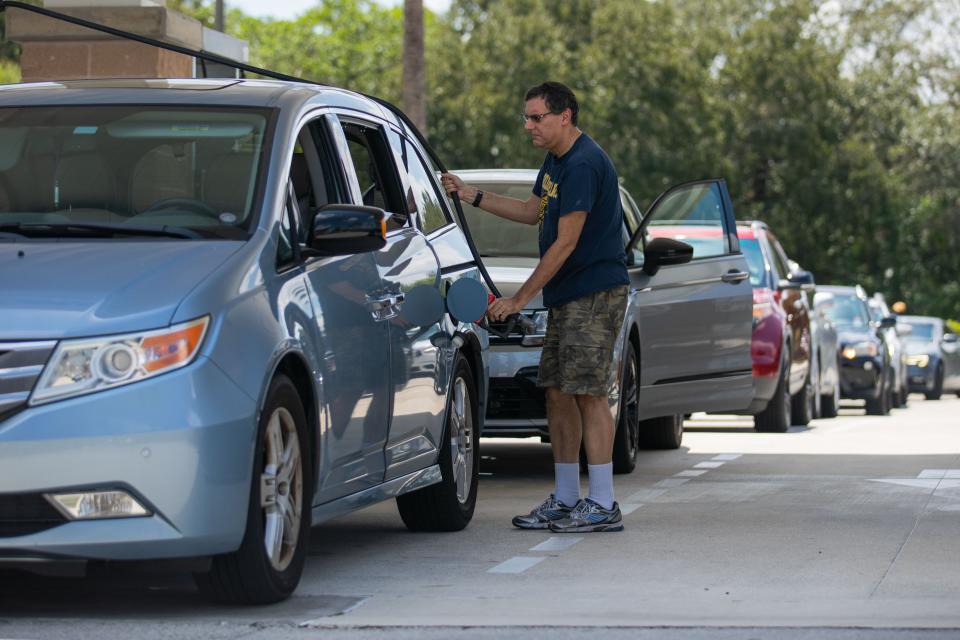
(93, 364)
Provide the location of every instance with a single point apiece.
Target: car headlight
(860, 350)
(87, 365)
(919, 360)
(540, 322)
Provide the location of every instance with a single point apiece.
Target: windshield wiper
(96, 230)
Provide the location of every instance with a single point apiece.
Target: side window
(692, 214)
(778, 256)
(376, 173)
(285, 253)
(424, 196)
(311, 184)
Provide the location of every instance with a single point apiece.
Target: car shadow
(129, 592)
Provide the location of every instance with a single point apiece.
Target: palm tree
(414, 94)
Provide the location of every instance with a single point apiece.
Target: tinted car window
(150, 166)
(778, 256)
(693, 215)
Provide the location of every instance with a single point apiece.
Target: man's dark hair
(557, 96)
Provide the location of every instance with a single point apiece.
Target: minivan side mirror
(341, 229)
(662, 252)
(799, 279)
(950, 337)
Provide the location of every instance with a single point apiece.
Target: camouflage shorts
(578, 349)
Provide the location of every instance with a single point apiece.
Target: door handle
(733, 276)
(385, 307)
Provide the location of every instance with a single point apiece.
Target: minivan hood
(510, 272)
(52, 290)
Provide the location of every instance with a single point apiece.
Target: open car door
(696, 304)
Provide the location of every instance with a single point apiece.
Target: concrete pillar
(56, 50)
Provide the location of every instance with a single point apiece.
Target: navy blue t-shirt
(583, 179)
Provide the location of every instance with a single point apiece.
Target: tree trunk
(414, 97)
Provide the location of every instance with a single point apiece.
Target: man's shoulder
(590, 153)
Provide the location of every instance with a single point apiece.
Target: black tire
(880, 404)
(662, 433)
(830, 403)
(802, 405)
(775, 417)
(250, 575)
(937, 391)
(626, 440)
(447, 505)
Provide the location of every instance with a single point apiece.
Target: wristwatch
(477, 198)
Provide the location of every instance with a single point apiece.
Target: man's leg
(563, 419)
(598, 432)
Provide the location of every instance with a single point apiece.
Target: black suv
(866, 372)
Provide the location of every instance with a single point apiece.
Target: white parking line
(672, 482)
(558, 543)
(940, 473)
(690, 473)
(627, 509)
(708, 465)
(727, 456)
(516, 564)
(646, 495)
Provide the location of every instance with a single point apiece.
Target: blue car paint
(183, 442)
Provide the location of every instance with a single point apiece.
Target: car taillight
(763, 304)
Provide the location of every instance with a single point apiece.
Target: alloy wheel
(281, 489)
(461, 439)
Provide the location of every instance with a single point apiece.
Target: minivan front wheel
(449, 504)
(268, 565)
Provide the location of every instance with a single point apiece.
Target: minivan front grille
(25, 513)
(20, 365)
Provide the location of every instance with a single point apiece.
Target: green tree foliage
(835, 121)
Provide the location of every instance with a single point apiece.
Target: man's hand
(503, 307)
(454, 185)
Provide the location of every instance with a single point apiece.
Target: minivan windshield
(495, 236)
(122, 171)
(848, 310)
(920, 331)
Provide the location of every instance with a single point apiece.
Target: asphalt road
(849, 528)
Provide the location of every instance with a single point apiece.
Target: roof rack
(206, 56)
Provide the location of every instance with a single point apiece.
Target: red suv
(781, 345)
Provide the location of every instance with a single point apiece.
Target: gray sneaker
(551, 510)
(589, 516)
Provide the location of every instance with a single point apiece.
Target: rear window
(150, 166)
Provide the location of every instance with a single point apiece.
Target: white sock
(601, 484)
(567, 488)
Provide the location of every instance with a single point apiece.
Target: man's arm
(526, 212)
(569, 228)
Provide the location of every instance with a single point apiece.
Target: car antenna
(206, 56)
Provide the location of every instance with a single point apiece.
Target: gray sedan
(685, 339)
